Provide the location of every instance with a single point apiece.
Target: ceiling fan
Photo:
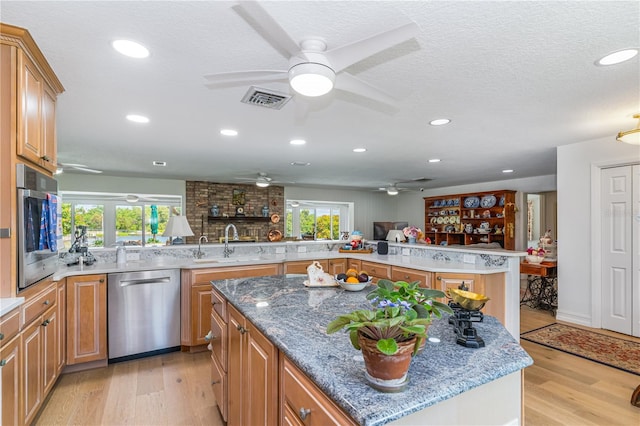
(261, 180)
(80, 167)
(394, 189)
(313, 70)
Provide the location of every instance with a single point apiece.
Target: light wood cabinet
(410, 275)
(35, 96)
(195, 299)
(330, 266)
(337, 266)
(490, 285)
(446, 216)
(86, 318)
(303, 403)
(376, 270)
(219, 351)
(10, 367)
(252, 374)
(61, 349)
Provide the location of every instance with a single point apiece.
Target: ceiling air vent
(265, 98)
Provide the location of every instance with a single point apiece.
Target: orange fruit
(352, 280)
(351, 272)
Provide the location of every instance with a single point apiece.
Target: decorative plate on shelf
(445, 220)
(501, 201)
(449, 228)
(440, 220)
(471, 202)
(488, 201)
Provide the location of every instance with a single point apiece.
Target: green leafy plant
(399, 312)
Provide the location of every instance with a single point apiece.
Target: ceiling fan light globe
(392, 190)
(262, 183)
(631, 136)
(311, 79)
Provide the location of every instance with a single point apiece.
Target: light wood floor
(174, 389)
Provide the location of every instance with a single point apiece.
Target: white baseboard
(573, 318)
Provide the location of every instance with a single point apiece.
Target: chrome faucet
(227, 251)
(199, 254)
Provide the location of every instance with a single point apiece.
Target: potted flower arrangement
(413, 234)
(392, 330)
(535, 255)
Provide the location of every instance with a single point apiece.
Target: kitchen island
(448, 383)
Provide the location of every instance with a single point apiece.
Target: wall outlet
(133, 256)
(280, 250)
(302, 249)
(468, 258)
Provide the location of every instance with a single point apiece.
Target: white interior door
(617, 245)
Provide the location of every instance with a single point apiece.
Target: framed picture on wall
(238, 197)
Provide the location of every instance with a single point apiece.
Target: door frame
(596, 234)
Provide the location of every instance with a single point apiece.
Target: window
(318, 220)
(117, 218)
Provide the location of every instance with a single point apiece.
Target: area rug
(612, 351)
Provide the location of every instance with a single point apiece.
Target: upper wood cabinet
(34, 91)
(86, 318)
(446, 216)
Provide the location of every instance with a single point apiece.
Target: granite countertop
(295, 320)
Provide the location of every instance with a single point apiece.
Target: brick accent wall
(201, 196)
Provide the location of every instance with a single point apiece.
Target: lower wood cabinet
(195, 299)
(10, 368)
(252, 374)
(303, 403)
(491, 285)
(330, 266)
(376, 270)
(411, 275)
(61, 349)
(86, 318)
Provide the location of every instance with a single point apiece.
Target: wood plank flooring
(174, 389)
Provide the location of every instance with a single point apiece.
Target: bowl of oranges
(352, 280)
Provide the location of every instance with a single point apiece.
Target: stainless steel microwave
(37, 259)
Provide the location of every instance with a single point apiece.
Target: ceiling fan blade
(88, 170)
(225, 77)
(268, 28)
(344, 56)
(350, 83)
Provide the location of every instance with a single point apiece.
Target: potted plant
(392, 330)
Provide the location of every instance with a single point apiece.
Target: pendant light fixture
(631, 136)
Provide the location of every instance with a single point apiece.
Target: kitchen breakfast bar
(448, 383)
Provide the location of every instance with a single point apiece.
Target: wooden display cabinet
(447, 216)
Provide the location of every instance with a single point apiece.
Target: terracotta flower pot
(387, 368)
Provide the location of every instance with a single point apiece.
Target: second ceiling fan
(313, 70)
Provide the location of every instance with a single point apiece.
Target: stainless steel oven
(37, 254)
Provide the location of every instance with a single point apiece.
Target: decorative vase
(412, 240)
(386, 372)
(215, 211)
(265, 211)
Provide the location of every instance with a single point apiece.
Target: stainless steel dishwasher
(144, 313)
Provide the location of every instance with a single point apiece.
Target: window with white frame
(117, 218)
(317, 220)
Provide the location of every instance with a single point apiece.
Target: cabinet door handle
(1, 336)
(101, 280)
(46, 158)
(241, 329)
(439, 278)
(3, 362)
(304, 412)
(46, 302)
(46, 323)
(215, 382)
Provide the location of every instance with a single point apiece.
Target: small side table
(542, 285)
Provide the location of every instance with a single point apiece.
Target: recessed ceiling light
(617, 57)
(130, 48)
(137, 118)
(440, 121)
(297, 142)
(160, 163)
(229, 132)
(507, 171)
(434, 160)
(300, 163)
(359, 149)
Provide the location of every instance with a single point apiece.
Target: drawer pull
(101, 280)
(46, 323)
(241, 329)
(439, 278)
(406, 277)
(304, 412)
(1, 336)
(215, 382)
(46, 302)
(3, 362)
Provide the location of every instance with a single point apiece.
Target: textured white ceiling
(517, 79)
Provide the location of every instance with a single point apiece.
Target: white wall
(575, 165)
(369, 206)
